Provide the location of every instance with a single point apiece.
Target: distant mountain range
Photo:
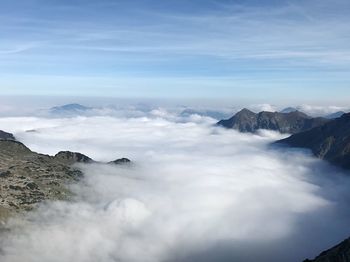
(328, 116)
(291, 122)
(209, 113)
(335, 115)
(69, 109)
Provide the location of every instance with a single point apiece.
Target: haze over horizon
(211, 49)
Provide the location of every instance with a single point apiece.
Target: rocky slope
(27, 178)
(330, 141)
(292, 122)
(339, 253)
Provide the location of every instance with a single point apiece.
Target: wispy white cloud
(17, 49)
(296, 43)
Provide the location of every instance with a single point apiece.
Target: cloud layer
(195, 193)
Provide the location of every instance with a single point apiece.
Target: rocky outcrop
(330, 141)
(120, 161)
(72, 157)
(27, 178)
(6, 136)
(292, 122)
(339, 253)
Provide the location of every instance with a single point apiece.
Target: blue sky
(268, 50)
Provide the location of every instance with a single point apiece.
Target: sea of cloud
(195, 192)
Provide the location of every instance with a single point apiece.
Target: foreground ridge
(28, 178)
(338, 253)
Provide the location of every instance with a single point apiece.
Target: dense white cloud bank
(195, 193)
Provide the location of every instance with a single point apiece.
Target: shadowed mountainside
(6, 136)
(291, 122)
(338, 253)
(330, 141)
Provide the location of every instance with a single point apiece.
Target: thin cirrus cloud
(268, 42)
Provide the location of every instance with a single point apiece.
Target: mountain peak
(72, 157)
(298, 113)
(245, 111)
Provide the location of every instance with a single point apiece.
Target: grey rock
(72, 157)
(27, 178)
(338, 253)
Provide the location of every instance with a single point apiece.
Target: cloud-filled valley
(195, 192)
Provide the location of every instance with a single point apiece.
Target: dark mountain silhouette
(330, 141)
(121, 161)
(293, 122)
(338, 253)
(6, 136)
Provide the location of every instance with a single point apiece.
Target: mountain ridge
(28, 178)
(292, 122)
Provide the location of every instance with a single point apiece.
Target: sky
(263, 50)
